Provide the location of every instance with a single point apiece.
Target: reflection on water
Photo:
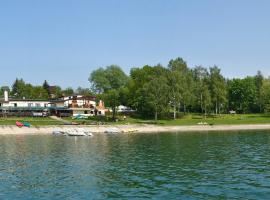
(137, 166)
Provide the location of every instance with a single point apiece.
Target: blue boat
(27, 124)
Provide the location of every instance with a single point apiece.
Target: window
(15, 104)
(37, 104)
(30, 104)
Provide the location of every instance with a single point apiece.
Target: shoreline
(134, 128)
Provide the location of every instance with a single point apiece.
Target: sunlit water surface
(216, 165)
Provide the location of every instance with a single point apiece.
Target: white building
(14, 103)
(65, 106)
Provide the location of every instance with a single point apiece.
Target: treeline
(165, 91)
(20, 89)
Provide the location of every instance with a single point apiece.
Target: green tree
(218, 88)
(38, 92)
(83, 91)
(201, 88)
(265, 95)
(178, 85)
(3, 89)
(157, 94)
(46, 87)
(18, 88)
(109, 81)
(242, 94)
(68, 91)
(259, 84)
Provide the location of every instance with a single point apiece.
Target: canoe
(19, 124)
(26, 124)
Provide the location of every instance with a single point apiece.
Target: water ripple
(140, 166)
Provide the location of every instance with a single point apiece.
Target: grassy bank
(191, 119)
(32, 120)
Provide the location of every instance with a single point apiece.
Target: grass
(35, 121)
(220, 120)
(190, 119)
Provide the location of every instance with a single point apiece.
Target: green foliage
(83, 91)
(20, 90)
(109, 82)
(156, 92)
(242, 94)
(144, 85)
(265, 95)
(218, 89)
(68, 92)
(159, 92)
(103, 80)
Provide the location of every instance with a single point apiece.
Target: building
(62, 107)
(124, 109)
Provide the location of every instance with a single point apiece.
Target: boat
(72, 132)
(26, 124)
(58, 132)
(112, 130)
(78, 132)
(19, 124)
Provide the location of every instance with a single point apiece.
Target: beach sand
(139, 128)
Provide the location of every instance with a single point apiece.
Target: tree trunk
(113, 117)
(174, 110)
(114, 109)
(201, 103)
(216, 108)
(156, 115)
(185, 109)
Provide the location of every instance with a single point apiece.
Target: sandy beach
(139, 128)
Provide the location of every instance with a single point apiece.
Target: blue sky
(62, 41)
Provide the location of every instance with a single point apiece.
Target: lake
(216, 165)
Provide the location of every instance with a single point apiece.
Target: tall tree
(202, 93)
(242, 94)
(180, 84)
(218, 88)
(18, 88)
(46, 87)
(259, 84)
(157, 94)
(265, 95)
(109, 81)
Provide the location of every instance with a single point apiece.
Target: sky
(62, 41)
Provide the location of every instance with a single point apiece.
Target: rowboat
(19, 124)
(26, 124)
(72, 132)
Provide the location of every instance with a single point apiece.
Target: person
(124, 117)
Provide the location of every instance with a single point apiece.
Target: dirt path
(60, 119)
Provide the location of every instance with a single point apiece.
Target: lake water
(233, 165)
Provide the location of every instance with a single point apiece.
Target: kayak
(19, 124)
(27, 124)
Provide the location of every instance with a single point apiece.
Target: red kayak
(19, 124)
